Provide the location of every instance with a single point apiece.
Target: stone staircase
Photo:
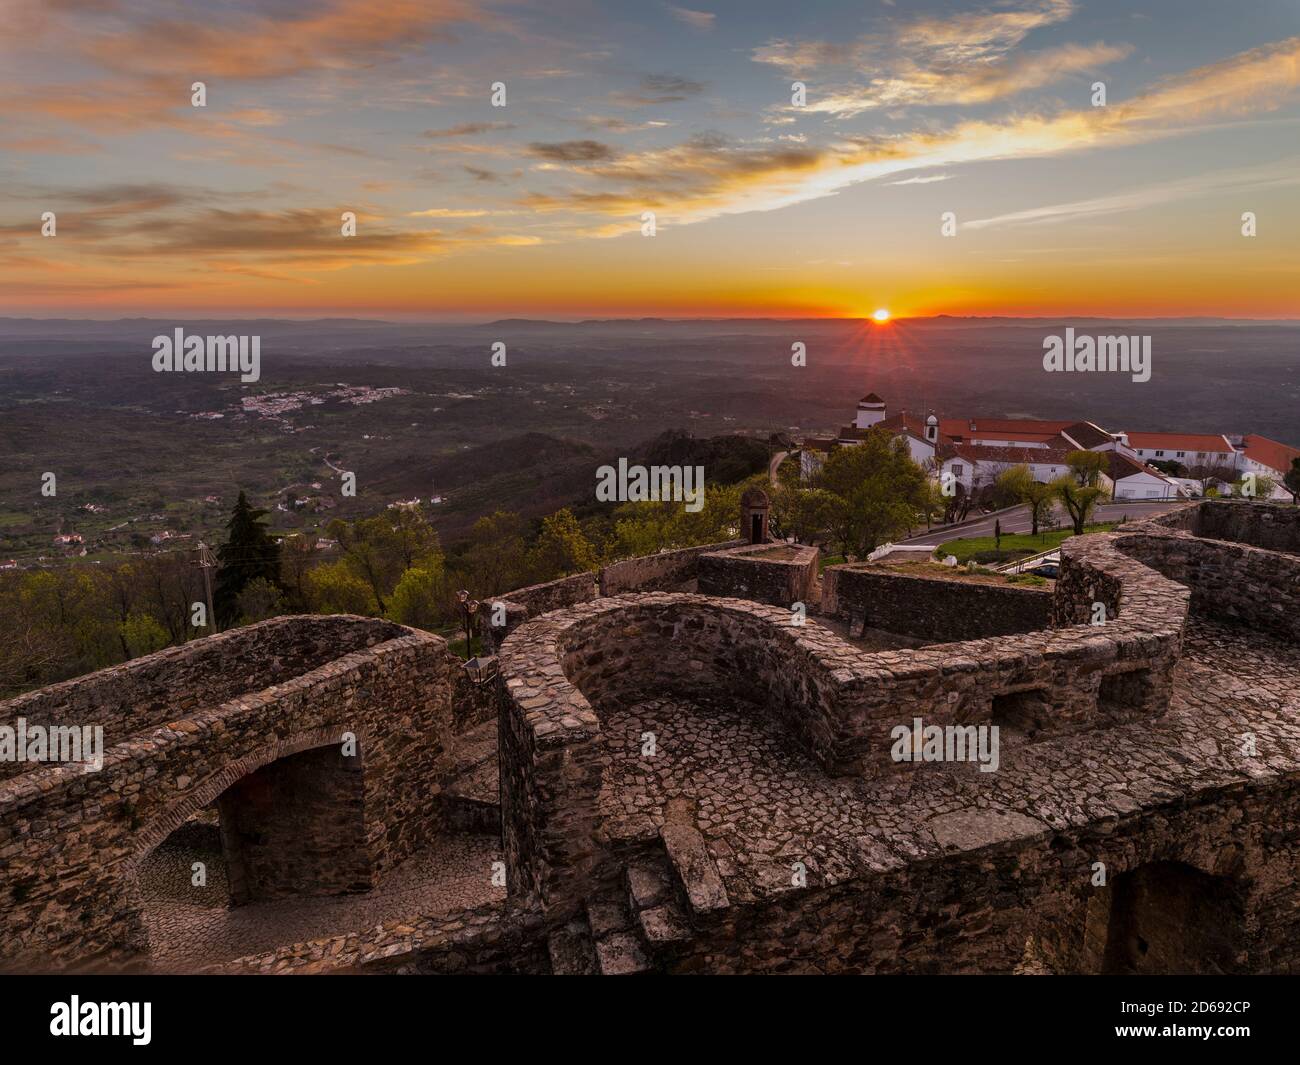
(630, 926)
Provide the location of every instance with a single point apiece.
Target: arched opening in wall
(1168, 917)
(1020, 715)
(292, 827)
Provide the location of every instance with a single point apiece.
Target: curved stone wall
(559, 671)
(1228, 580)
(928, 608)
(71, 840)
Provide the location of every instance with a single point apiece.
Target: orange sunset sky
(762, 207)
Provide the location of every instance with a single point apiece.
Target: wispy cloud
(1274, 175)
(700, 20)
(963, 59)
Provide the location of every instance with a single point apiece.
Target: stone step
(649, 883)
(664, 925)
(572, 950)
(621, 954)
(694, 868)
(619, 951)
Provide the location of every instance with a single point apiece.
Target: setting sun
(881, 315)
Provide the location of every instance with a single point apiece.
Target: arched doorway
(1169, 917)
(285, 821)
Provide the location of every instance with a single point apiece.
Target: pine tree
(249, 552)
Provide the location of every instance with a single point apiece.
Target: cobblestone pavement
(763, 806)
(189, 927)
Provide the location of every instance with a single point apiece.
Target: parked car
(1046, 569)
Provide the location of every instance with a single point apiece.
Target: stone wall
(493, 939)
(1229, 581)
(71, 841)
(762, 573)
(168, 684)
(930, 608)
(838, 703)
(975, 910)
(554, 595)
(1272, 526)
(667, 571)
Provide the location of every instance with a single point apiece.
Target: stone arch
(249, 873)
(209, 789)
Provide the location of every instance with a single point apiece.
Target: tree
(1252, 488)
(561, 548)
(1079, 500)
(1291, 482)
(250, 552)
(258, 600)
(418, 598)
(804, 513)
(379, 550)
(1018, 485)
(1012, 485)
(142, 634)
(879, 492)
(493, 562)
(1086, 466)
(334, 589)
(1169, 466)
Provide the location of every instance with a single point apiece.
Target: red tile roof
(1179, 442)
(1270, 453)
(1012, 455)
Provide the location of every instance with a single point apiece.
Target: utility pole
(207, 561)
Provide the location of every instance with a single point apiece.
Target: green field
(1014, 545)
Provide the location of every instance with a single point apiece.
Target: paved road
(1017, 520)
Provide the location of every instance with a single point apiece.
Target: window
(957, 470)
(1180, 454)
(1160, 454)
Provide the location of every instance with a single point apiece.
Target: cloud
(921, 180)
(583, 151)
(931, 61)
(1273, 175)
(709, 175)
(660, 89)
(700, 20)
(447, 212)
(135, 65)
(469, 129)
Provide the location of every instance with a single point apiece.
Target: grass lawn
(1014, 545)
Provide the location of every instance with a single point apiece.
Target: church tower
(871, 409)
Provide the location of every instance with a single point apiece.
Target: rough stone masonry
(693, 783)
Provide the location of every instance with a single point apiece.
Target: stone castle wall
(1271, 526)
(71, 841)
(156, 688)
(667, 571)
(837, 702)
(761, 573)
(931, 609)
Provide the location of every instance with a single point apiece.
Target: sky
(762, 205)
